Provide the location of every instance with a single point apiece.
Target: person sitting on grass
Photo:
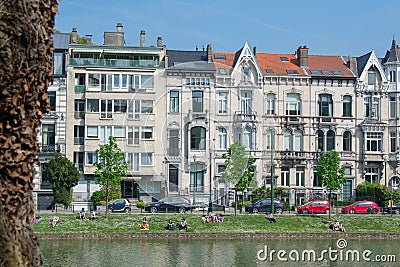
(82, 214)
(220, 218)
(183, 225)
(54, 221)
(144, 225)
(271, 218)
(336, 226)
(170, 225)
(92, 215)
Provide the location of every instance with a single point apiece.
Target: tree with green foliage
(376, 192)
(99, 197)
(239, 168)
(63, 176)
(111, 167)
(331, 172)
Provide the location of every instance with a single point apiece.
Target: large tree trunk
(25, 72)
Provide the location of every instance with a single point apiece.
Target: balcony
(79, 140)
(79, 115)
(79, 166)
(293, 120)
(80, 88)
(117, 63)
(53, 148)
(293, 155)
(46, 185)
(245, 117)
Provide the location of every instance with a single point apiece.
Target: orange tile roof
(267, 61)
(328, 63)
(226, 63)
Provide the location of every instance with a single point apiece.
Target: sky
(336, 27)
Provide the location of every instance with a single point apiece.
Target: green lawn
(240, 223)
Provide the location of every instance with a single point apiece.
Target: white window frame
(92, 132)
(91, 157)
(222, 102)
(147, 159)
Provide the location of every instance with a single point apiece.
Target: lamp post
(272, 175)
(195, 180)
(210, 197)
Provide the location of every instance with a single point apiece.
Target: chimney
(254, 51)
(302, 56)
(74, 36)
(209, 53)
(119, 27)
(159, 41)
(142, 37)
(350, 64)
(88, 39)
(197, 48)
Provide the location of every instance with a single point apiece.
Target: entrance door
(129, 189)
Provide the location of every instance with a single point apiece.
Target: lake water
(133, 252)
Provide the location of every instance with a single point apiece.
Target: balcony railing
(79, 166)
(293, 154)
(49, 148)
(250, 117)
(118, 63)
(79, 115)
(46, 185)
(79, 140)
(80, 88)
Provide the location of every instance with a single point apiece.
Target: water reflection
(120, 253)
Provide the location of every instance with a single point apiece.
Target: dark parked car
(314, 206)
(120, 205)
(264, 205)
(169, 204)
(394, 209)
(364, 206)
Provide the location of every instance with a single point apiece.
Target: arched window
(287, 140)
(320, 140)
(330, 140)
(247, 138)
(347, 106)
(347, 146)
(198, 138)
(270, 140)
(298, 140)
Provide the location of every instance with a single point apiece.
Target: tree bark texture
(25, 72)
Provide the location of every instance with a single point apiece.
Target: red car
(315, 206)
(364, 206)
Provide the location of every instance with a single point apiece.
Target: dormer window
(284, 59)
(246, 74)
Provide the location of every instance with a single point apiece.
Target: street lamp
(272, 173)
(195, 180)
(210, 197)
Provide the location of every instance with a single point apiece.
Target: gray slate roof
(61, 40)
(177, 57)
(361, 62)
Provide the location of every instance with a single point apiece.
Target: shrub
(140, 204)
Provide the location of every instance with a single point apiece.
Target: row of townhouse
(174, 113)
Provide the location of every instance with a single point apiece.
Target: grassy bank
(242, 223)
